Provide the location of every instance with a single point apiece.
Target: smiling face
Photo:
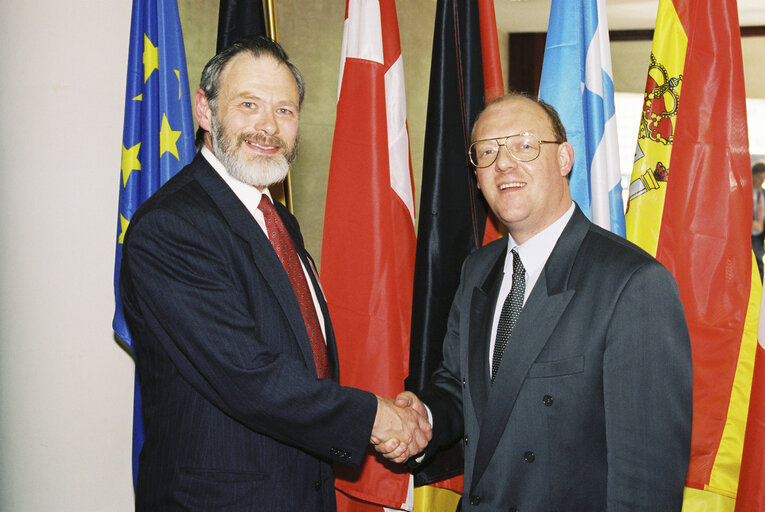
(253, 122)
(525, 196)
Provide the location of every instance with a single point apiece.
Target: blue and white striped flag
(577, 80)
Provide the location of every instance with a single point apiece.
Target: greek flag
(577, 80)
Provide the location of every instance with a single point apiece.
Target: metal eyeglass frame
(504, 143)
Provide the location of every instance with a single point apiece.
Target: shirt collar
(535, 251)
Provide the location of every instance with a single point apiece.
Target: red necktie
(285, 250)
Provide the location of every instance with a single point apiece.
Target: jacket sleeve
(443, 393)
(647, 384)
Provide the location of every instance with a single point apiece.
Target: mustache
(269, 140)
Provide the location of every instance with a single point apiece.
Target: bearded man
(234, 348)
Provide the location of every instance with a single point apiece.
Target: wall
(65, 385)
(630, 64)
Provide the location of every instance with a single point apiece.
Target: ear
(477, 181)
(565, 158)
(202, 111)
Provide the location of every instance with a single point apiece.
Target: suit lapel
(539, 317)
(481, 311)
(264, 258)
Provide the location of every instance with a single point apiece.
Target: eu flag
(158, 137)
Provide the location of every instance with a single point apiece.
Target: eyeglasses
(524, 147)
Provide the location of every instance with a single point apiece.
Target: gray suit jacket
(591, 407)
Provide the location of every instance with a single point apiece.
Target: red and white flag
(369, 239)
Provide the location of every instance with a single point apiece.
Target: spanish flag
(751, 484)
(690, 204)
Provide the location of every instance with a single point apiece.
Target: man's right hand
(401, 429)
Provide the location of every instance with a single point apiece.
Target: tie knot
(517, 264)
(265, 203)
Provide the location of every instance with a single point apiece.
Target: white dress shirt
(534, 253)
(250, 197)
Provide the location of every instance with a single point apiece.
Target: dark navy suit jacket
(234, 414)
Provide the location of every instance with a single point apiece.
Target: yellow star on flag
(168, 138)
(123, 227)
(130, 162)
(150, 58)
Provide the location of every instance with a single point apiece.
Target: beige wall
(630, 64)
(753, 49)
(65, 386)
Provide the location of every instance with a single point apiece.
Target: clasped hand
(401, 429)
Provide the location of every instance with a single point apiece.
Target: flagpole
(270, 14)
(270, 11)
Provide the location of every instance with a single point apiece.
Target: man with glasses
(567, 362)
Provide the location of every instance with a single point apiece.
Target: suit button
(475, 500)
(547, 400)
(464, 383)
(317, 485)
(466, 440)
(529, 456)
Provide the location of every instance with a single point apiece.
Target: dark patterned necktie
(510, 311)
(285, 250)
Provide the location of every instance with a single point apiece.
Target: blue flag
(577, 80)
(158, 136)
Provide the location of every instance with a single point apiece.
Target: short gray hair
(257, 46)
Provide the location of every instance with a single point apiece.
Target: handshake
(401, 429)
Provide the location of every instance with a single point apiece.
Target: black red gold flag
(239, 18)
(452, 209)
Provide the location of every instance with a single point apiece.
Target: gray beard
(261, 172)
